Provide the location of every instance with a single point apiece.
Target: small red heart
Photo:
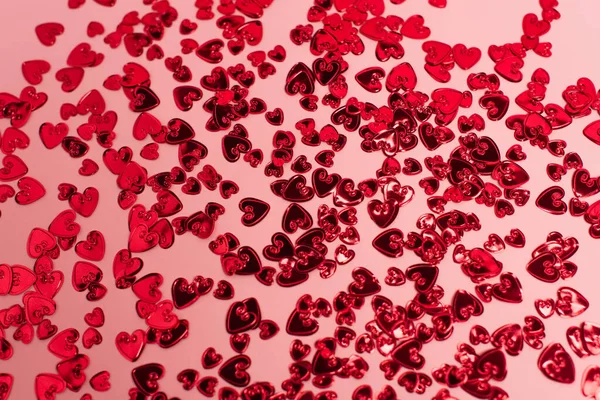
(465, 57)
(52, 135)
(48, 283)
(106, 3)
(510, 68)
(74, 4)
(85, 204)
(557, 364)
(210, 358)
(31, 96)
(70, 77)
(150, 151)
(100, 381)
(92, 248)
(95, 318)
(31, 191)
(63, 344)
(12, 168)
(550, 200)
(82, 55)
(413, 28)
(34, 70)
(50, 383)
(211, 51)
(91, 337)
(67, 111)
(46, 330)
(277, 54)
(48, 32)
(94, 29)
(131, 346)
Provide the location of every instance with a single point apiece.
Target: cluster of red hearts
(473, 170)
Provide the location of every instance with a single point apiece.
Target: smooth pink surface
(472, 22)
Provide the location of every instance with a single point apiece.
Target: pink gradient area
(472, 22)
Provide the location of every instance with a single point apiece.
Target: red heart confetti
(128, 166)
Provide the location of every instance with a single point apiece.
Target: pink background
(472, 22)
